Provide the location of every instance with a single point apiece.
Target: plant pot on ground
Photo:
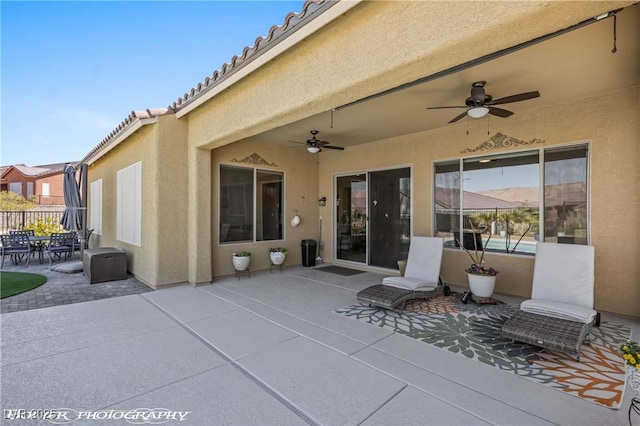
(482, 279)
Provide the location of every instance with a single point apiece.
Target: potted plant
(241, 260)
(482, 279)
(277, 255)
(631, 354)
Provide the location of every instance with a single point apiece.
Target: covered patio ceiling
(574, 65)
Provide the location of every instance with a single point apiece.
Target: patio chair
(560, 312)
(421, 278)
(61, 243)
(30, 233)
(16, 246)
(78, 239)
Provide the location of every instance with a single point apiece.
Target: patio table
(40, 243)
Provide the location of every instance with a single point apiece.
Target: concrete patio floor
(265, 350)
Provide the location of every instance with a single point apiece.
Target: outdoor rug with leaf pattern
(474, 331)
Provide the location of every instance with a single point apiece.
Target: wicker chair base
(389, 297)
(555, 334)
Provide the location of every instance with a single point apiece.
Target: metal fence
(17, 220)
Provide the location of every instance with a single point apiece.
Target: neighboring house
(222, 169)
(42, 183)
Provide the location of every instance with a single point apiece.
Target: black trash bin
(309, 252)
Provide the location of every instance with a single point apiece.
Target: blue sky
(72, 71)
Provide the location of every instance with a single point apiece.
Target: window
(96, 206)
(15, 187)
(496, 201)
(251, 204)
(129, 204)
(45, 189)
(565, 195)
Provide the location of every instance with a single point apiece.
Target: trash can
(308, 252)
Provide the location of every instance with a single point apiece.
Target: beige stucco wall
(346, 61)
(352, 58)
(609, 121)
(301, 194)
(161, 148)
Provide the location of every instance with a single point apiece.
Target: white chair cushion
(408, 283)
(425, 259)
(564, 273)
(561, 310)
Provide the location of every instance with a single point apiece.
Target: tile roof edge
(276, 34)
(134, 116)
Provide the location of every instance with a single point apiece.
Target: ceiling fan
(480, 104)
(314, 145)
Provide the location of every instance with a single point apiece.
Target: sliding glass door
(351, 218)
(389, 217)
(373, 217)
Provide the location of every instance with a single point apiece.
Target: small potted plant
(482, 279)
(631, 354)
(277, 255)
(241, 260)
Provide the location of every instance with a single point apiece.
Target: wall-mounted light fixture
(322, 201)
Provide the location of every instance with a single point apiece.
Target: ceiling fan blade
(339, 148)
(499, 112)
(443, 107)
(458, 117)
(515, 98)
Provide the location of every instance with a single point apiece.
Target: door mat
(475, 332)
(339, 270)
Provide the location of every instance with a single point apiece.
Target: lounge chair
(560, 312)
(421, 278)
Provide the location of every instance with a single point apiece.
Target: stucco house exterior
(224, 168)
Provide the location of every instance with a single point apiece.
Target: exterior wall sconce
(322, 201)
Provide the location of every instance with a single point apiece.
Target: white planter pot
(241, 263)
(482, 285)
(277, 257)
(633, 379)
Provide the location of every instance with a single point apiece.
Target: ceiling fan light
(477, 112)
(313, 149)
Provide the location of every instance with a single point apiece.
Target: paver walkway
(63, 289)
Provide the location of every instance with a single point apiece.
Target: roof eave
(286, 42)
(135, 125)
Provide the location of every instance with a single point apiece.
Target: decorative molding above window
(254, 159)
(498, 141)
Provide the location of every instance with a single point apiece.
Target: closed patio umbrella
(72, 217)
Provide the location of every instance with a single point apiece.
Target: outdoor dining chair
(30, 233)
(78, 239)
(61, 243)
(17, 247)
